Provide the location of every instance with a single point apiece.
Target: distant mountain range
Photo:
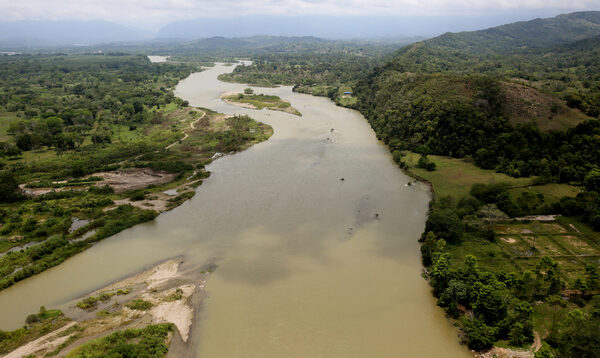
(15, 34)
(33, 34)
(557, 30)
(331, 27)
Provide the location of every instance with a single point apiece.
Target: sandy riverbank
(173, 293)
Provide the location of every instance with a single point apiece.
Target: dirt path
(43, 342)
(537, 342)
(185, 131)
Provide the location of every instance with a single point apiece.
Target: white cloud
(155, 12)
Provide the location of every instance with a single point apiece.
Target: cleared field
(454, 177)
(552, 192)
(515, 246)
(576, 245)
(526, 243)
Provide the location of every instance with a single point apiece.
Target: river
(309, 265)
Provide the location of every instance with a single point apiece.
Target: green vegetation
(260, 101)
(36, 326)
(314, 66)
(497, 277)
(509, 118)
(139, 304)
(92, 301)
(502, 122)
(150, 341)
(454, 177)
(68, 118)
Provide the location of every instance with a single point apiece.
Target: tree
(592, 180)
(12, 151)
(554, 301)
(8, 187)
(491, 301)
(456, 292)
(548, 277)
(592, 277)
(101, 137)
(527, 284)
(54, 124)
(425, 163)
(544, 352)
(578, 335)
(24, 142)
(138, 107)
(127, 111)
(479, 335)
(428, 247)
(581, 286)
(522, 328)
(440, 272)
(517, 334)
(445, 224)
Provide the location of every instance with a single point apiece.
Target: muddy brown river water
(309, 265)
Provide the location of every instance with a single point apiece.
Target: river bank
(165, 293)
(287, 234)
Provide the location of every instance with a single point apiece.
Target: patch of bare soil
(159, 201)
(497, 352)
(42, 191)
(45, 343)
(133, 178)
(119, 180)
(525, 104)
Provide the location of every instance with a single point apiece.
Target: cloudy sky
(154, 13)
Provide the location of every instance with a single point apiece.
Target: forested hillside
(524, 100)
(509, 109)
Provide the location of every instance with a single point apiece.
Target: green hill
(536, 33)
(467, 93)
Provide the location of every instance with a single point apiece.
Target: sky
(152, 14)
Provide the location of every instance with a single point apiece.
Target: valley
(270, 196)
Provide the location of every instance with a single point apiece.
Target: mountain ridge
(28, 33)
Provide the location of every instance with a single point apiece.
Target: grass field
(454, 177)
(552, 192)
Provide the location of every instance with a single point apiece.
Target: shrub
(139, 304)
(137, 196)
(426, 164)
(445, 224)
(87, 303)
